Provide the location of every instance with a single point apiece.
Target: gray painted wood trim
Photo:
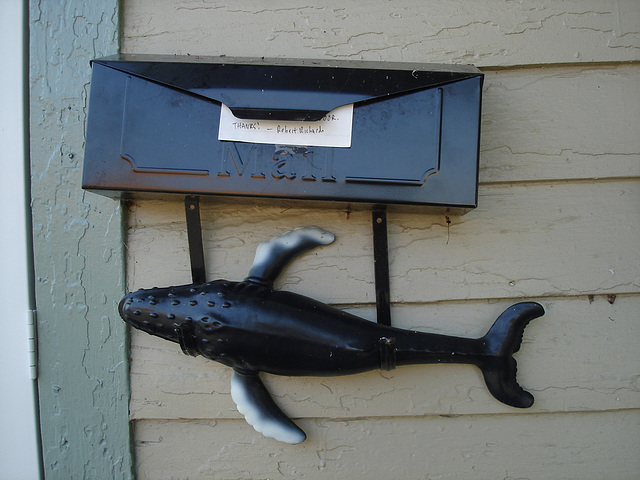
(78, 252)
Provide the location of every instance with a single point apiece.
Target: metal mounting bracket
(380, 253)
(381, 264)
(194, 234)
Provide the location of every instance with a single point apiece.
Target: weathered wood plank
(78, 252)
(481, 447)
(560, 123)
(494, 33)
(524, 240)
(580, 356)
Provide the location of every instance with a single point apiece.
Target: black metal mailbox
(410, 134)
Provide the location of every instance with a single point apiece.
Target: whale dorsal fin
(273, 256)
(260, 411)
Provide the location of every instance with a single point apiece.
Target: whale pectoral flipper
(273, 256)
(255, 403)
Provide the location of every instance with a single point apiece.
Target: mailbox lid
(285, 89)
(415, 146)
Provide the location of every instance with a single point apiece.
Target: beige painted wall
(558, 222)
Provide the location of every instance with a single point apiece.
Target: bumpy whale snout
(143, 310)
(124, 308)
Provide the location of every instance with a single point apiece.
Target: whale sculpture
(253, 328)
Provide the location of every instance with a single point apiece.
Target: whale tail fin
(501, 341)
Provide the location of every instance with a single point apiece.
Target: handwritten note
(333, 130)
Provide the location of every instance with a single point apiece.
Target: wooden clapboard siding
(560, 123)
(558, 222)
(491, 33)
(526, 239)
(571, 446)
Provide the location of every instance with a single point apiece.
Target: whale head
(176, 314)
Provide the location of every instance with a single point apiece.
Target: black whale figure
(252, 328)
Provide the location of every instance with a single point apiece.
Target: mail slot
(381, 133)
